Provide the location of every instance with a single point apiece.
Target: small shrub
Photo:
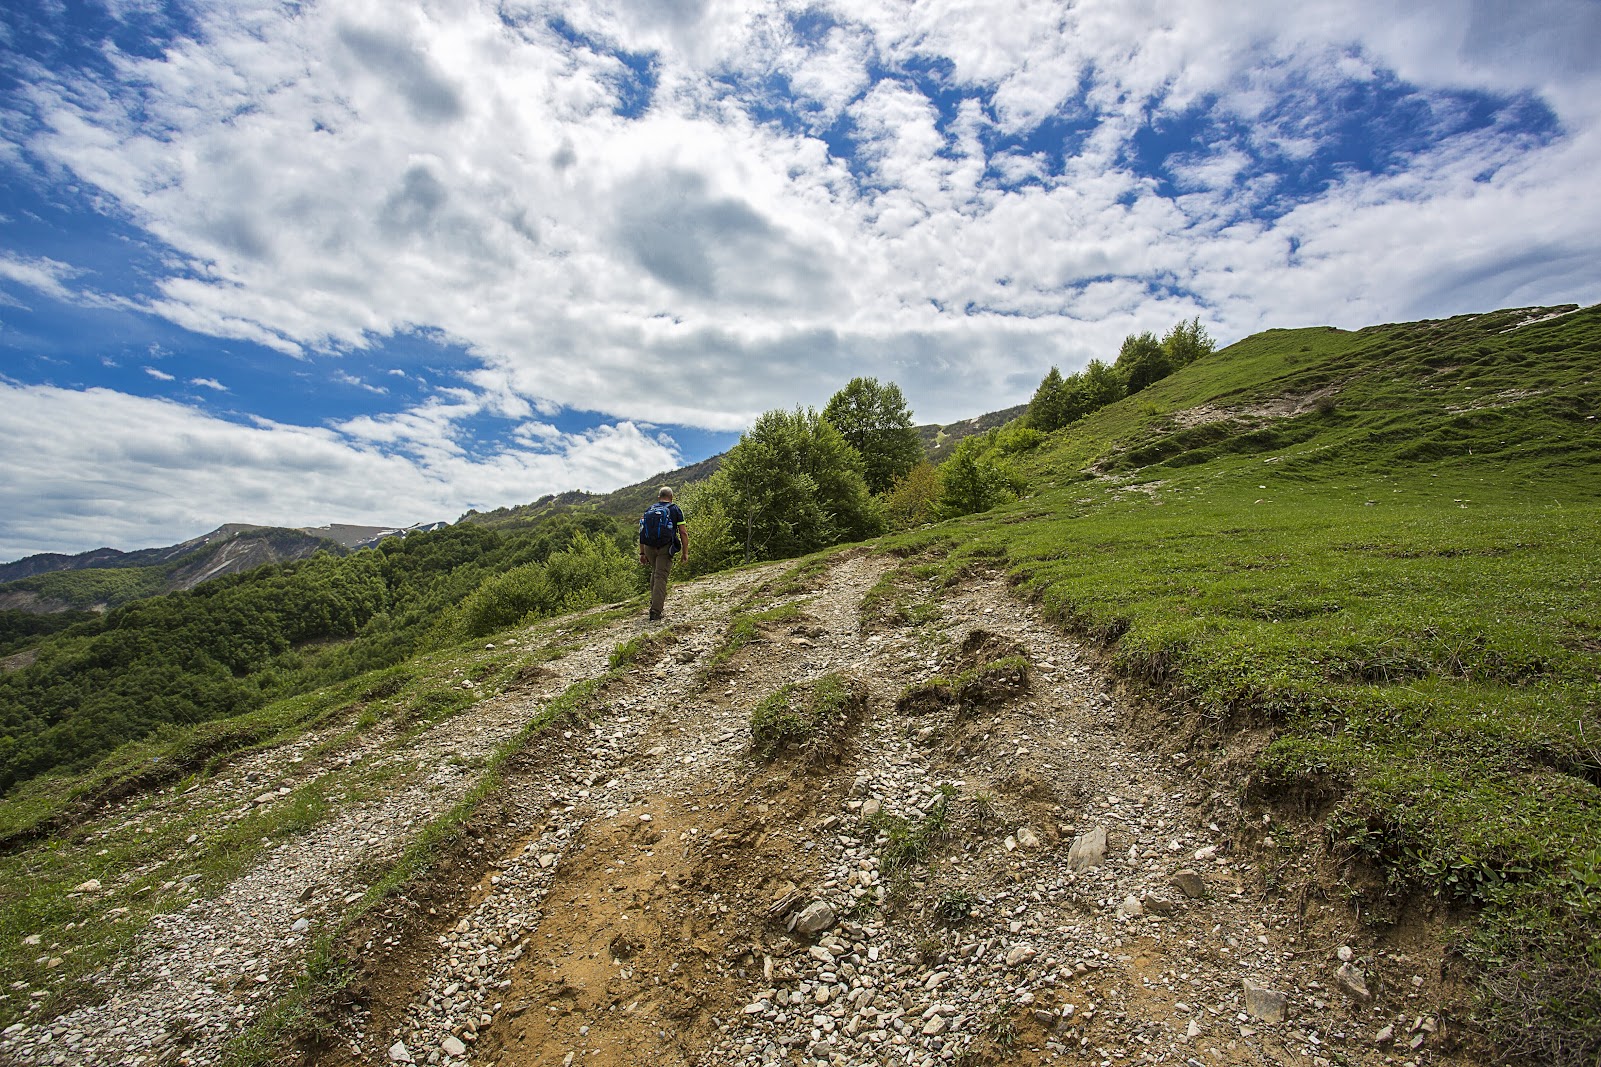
(955, 907)
(911, 841)
(984, 810)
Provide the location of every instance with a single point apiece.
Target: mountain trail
(989, 855)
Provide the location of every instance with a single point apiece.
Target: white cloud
(459, 171)
(160, 375)
(209, 383)
(41, 274)
(344, 378)
(155, 472)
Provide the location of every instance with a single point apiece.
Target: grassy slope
(1398, 584)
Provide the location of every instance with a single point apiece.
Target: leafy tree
(1099, 386)
(874, 420)
(1141, 362)
(1062, 401)
(714, 542)
(1046, 408)
(1187, 342)
(973, 479)
(912, 499)
(795, 485)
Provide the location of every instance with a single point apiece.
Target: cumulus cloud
(149, 472)
(687, 213)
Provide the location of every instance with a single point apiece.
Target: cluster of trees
(801, 480)
(1141, 361)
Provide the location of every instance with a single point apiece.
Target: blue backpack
(657, 528)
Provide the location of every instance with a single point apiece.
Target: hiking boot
(655, 616)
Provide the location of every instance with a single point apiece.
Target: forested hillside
(238, 642)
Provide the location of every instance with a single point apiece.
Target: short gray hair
(665, 493)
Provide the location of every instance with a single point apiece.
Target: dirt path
(646, 902)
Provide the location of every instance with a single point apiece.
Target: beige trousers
(660, 561)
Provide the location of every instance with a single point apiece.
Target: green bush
(506, 600)
(973, 480)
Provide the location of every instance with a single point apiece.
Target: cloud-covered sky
(384, 260)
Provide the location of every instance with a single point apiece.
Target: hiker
(661, 534)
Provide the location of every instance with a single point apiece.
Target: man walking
(661, 534)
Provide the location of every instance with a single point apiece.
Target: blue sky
(379, 261)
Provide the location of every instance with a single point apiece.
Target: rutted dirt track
(643, 891)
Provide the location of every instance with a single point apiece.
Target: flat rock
(1350, 978)
(1027, 838)
(1159, 905)
(1088, 849)
(814, 918)
(452, 1046)
(398, 1053)
(1020, 954)
(1190, 884)
(1268, 1005)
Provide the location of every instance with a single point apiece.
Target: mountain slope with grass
(1259, 729)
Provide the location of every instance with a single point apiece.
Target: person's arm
(683, 540)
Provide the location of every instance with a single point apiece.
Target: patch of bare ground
(1277, 408)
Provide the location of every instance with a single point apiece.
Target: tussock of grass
(746, 627)
(986, 684)
(802, 577)
(812, 717)
(909, 842)
(893, 601)
(644, 646)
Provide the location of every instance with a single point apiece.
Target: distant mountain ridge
(48, 562)
(232, 548)
(107, 577)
